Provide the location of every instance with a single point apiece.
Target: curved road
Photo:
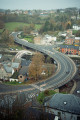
(65, 72)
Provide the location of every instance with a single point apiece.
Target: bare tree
(35, 68)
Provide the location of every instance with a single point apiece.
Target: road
(65, 72)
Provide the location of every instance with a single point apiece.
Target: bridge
(22, 52)
(66, 67)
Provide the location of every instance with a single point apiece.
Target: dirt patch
(67, 87)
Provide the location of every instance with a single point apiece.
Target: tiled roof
(65, 102)
(7, 68)
(69, 46)
(23, 70)
(25, 62)
(15, 65)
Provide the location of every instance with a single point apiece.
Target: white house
(48, 40)
(76, 27)
(65, 106)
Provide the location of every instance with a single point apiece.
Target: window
(20, 76)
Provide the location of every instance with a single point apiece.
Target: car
(78, 91)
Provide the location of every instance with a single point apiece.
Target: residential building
(8, 68)
(23, 74)
(69, 40)
(25, 62)
(77, 41)
(37, 39)
(16, 66)
(66, 106)
(62, 34)
(69, 49)
(69, 31)
(47, 39)
(76, 27)
(34, 32)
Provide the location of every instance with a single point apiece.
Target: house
(16, 66)
(5, 72)
(77, 41)
(23, 74)
(66, 106)
(34, 33)
(25, 62)
(76, 27)
(47, 39)
(69, 49)
(37, 39)
(69, 40)
(62, 34)
(69, 31)
(9, 68)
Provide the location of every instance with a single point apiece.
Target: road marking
(23, 90)
(38, 87)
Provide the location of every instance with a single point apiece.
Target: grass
(11, 26)
(29, 40)
(13, 83)
(44, 94)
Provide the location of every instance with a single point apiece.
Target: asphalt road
(66, 69)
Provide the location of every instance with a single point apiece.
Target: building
(34, 33)
(66, 106)
(16, 66)
(37, 39)
(69, 49)
(8, 69)
(69, 40)
(48, 40)
(23, 74)
(76, 27)
(77, 41)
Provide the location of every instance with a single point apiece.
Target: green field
(11, 26)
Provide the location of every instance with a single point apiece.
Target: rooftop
(23, 70)
(65, 102)
(69, 46)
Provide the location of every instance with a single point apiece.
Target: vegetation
(6, 38)
(13, 26)
(76, 33)
(44, 94)
(14, 83)
(35, 68)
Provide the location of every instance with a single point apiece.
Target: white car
(78, 91)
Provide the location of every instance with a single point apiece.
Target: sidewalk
(73, 88)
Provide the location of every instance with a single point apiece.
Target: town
(40, 64)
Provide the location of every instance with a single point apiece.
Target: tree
(1, 24)
(35, 68)
(5, 36)
(11, 40)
